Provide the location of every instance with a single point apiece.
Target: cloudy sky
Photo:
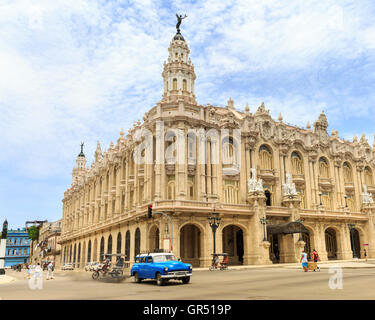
(80, 70)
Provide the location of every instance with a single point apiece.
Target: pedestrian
(315, 258)
(304, 260)
(28, 271)
(50, 271)
(365, 254)
(38, 273)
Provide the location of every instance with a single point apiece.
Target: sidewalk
(345, 264)
(6, 279)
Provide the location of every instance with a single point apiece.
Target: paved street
(254, 283)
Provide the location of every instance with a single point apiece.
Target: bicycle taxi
(112, 271)
(218, 264)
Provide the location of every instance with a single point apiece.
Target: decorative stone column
(260, 248)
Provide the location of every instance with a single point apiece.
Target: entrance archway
(127, 245)
(233, 244)
(79, 255)
(101, 255)
(331, 243)
(95, 251)
(154, 238)
(190, 244)
(137, 242)
(307, 248)
(355, 243)
(274, 248)
(89, 252)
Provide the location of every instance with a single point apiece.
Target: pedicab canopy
(287, 228)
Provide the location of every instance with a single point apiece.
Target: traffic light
(150, 211)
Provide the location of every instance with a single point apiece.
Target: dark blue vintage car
(160, 266)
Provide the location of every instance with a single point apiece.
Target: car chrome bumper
(177, 274)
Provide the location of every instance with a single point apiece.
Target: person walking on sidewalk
(50, 271)
(304, 260)
(365, 254)
(315, 258)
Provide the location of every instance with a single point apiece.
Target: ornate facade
(257, 173)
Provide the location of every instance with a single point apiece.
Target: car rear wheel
(137, 279)
(185, 280)
(159, 279)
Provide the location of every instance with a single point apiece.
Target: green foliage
(33, 232)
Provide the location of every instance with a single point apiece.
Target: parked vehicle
(67, 266)
(217, 264)
(161, 266)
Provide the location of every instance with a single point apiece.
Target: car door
(150, 269)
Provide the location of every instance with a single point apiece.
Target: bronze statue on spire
(179, 20)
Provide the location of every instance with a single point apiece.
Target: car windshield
(166, 257)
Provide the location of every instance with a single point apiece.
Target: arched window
(118, 249)
(229, 151)
(79, 254)
(127, 245)
(323, 168)
(137, 242)
(348, 173)
(297, 164)
(265, 157)
(191, 191)
(109, 245)
(327, 200)
(174, 84)
(171, 188)
(184, 85)
(89, 252)
(101, 256)
(231, 191)
(368, 177)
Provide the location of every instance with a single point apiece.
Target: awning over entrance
(287, 228)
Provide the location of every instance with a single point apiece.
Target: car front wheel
(186, 280)
(137, 279)
(159, 279)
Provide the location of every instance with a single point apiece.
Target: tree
(33, 232)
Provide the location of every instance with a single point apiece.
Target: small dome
(178, 36)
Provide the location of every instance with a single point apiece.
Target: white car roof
(153, 254)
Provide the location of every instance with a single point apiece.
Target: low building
(17, 247)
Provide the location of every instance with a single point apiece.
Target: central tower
(178, 74)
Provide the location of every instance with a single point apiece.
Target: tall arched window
(174, 84)
(109, 246)
(184, 85)
(171, 188)
(348, 173)
(191, 191)
(79, 255)
(229, 151)
(89, 252)
(323, 168)
(297, 164)
(369, 181)
(231, 191)
(118, 249)
(127, 245)
(137, 242)
(265, 157)
(101, 257)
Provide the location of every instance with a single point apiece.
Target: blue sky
(80, 70)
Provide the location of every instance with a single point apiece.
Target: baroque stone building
(277, 188)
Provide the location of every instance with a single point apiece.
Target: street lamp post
(351, 228)
(214, 221)
(263, 221)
